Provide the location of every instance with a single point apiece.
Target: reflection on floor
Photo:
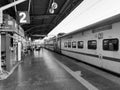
(39, 71)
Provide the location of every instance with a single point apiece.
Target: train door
(19, 51)
(110, 60)
(100, 54)
(59, 45)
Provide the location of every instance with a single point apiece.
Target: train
(96, 44)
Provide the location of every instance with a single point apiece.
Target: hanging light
(54, 5)
(51, 10)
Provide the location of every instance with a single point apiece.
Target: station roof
(97, 26)
(42, 21)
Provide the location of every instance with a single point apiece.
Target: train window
(74, 44)
(69, 44)
(80, 44)
(92, 44)
(110, 44)
(65, 44)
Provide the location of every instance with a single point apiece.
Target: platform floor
(40, 71)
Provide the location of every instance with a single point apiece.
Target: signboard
(23, 17)
(8, 25)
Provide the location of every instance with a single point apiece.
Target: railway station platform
(46, 70)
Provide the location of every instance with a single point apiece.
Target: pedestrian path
(39, 71)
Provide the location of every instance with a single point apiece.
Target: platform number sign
(23, 17)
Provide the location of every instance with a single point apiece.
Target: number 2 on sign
(23, 17)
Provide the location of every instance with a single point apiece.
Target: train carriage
(96, 44)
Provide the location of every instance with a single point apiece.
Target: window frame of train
(74, 44)
(80, 44)
(65, 44)
(114, 44)
(92, 45)
(69, 44)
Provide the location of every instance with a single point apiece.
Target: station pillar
(19, 51)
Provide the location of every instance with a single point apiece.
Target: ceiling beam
(49, 5)
(39, 31)
(37, 35)
(42, 16)
(63, 8)
(38, 26)
(11, 0)
(66, 9)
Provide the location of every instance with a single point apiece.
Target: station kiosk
(12, 36)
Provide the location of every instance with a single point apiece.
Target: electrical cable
(29, 5)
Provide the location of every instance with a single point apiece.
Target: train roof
(108, 21)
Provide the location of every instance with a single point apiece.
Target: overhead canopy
(42, 21)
